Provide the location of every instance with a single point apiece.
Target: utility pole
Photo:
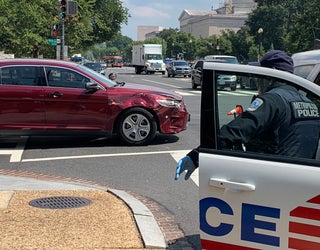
(66, 8)
(62, 15)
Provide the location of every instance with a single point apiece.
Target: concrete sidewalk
(45, 214)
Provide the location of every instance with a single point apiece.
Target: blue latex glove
(183, 164)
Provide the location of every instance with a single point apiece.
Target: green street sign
(52, 41)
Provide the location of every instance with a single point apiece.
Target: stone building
(232, 16)
(147, 32)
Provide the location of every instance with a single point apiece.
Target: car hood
(139, 88)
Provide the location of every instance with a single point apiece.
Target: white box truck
(148, 58)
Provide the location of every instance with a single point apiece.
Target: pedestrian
(272, 123)
(112, 76)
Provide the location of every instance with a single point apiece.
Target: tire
(233, 88)
(137, 127)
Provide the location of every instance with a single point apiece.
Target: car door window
(257, 139)
(230, 105)
(60, 77)
(20, 75)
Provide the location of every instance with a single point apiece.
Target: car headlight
(169, 103)
(233, 78)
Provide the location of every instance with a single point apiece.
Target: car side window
(251, 132)
(199, 65)
(20, 75)
(60, 77)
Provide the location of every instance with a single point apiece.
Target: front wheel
(137, 126)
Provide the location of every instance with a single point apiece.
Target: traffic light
(54, 30)
(63, 9)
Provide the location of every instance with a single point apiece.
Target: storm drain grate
(60, 202)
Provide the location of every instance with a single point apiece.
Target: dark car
(94, 66)
(42, 97)
(178, 68)
(224, 81)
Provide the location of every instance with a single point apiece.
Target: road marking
(185, 93)
(16, 153)
(160, 83)
(98, 156)
(177, 155)
(237, 93)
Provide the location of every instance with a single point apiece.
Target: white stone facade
(207, 23)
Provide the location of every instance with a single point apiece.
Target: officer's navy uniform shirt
(280, 121)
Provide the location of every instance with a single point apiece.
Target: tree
(25, 28)
(243, 44)
(290, 25)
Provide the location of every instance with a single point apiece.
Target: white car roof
(306, 57)
(264, 71)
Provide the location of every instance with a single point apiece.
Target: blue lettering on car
(248, 221)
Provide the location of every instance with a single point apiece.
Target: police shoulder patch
(255, 104)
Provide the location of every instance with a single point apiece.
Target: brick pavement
(173, 235)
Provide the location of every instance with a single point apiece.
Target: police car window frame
(210, 121)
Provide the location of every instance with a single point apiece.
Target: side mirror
(92, 86)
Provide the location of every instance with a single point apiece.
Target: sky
(164, 13)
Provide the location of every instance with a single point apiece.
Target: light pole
(260, 32)
(218, 45)
(190, 49)
(172, 50)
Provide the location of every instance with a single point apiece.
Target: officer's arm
(261, 115)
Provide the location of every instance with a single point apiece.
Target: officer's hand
(185, 164)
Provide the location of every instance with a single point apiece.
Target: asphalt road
(148, 171)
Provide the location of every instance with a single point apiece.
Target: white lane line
(16, 153)
(161, 83)
(177, 155)
(231, 93)
(184, 93)
(97, 156)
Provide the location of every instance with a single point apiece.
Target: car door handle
(235, 185)
(55, 94)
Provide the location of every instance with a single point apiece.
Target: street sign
(52, 41)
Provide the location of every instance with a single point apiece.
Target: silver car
(179, 68)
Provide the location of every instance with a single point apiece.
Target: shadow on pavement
(190, 242)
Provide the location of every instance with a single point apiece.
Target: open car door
(251, 200)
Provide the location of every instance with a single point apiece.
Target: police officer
(279, 120)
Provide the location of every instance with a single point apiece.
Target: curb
(147, 225)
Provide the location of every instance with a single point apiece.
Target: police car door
(253, 200)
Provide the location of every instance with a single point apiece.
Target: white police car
(250, 200)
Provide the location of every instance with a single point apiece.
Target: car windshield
(99, 76)
(154, 57)
(180, 64)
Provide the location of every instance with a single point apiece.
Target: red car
(42, 97)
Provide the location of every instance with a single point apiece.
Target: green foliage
(25, 28)
(290, 25)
